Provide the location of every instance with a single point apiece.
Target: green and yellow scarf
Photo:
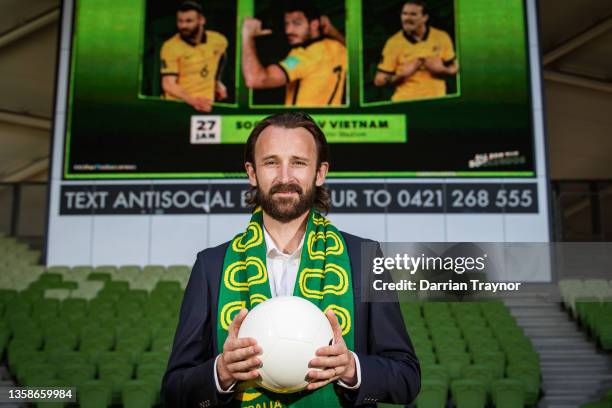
(324, 278)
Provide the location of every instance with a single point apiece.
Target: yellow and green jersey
(316, 73)
(195, 65)
(402, 48)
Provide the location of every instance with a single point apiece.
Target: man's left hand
(435, 65)
(220, 91)
(334, 362)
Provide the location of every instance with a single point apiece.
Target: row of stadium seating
(14, 254)
(589, 301)
(113, 346)
(108, 331)
(105, 330)
(474, 349)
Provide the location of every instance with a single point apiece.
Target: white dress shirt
(282, 274)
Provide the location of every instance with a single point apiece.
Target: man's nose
(285, 173)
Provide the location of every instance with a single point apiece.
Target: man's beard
(298, 40)
(286, 209)
(189, 34)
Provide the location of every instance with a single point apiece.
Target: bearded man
(371, 358)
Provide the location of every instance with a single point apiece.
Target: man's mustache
(286, 188)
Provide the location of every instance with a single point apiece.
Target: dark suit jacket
(389, 367)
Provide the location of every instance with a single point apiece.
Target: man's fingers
(333, 350)
(234, 344)
(236, 323)
(322, 375)
(318, 384)
(336, 328)
(266, 31)
(244, 365)
(324, 362)
(242, 354)
(251, 375)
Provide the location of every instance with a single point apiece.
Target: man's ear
(202, 20)
(250, 169)
(426, 17)
(321, 174)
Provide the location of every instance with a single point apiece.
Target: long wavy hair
(291, 120)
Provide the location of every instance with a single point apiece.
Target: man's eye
(299, 163)
(269, 162)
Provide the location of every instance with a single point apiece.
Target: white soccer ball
(289, 330)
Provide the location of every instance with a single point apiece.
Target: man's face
(412, 17)
(297, 27)
(188, 23)
(285, 172)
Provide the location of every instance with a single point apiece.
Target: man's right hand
(408, 69)
(200, 104)
(239, 361)
(251, 28)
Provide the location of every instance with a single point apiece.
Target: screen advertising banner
(400, 91)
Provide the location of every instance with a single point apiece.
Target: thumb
(336, 328)
(266, 31)
(237, 322)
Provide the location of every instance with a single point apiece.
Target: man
(416, 59)
(192, 60)
(313, 72)
(371, 358)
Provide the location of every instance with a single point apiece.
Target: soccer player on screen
(416, 59)
(313, 72)
(192, 60)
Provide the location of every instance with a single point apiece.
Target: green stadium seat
(29, 369)
(433, 394)
(106, 269)
(58, 269)
(138, 394)
(508, 393)
(94, 394)
(469, 393)
(434, 372)
(75, 374)
(480, 372)
(454, 362)
(115, 374)
(529, 374)
(99, 276)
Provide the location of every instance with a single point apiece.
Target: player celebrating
(192, 60)
(416, 58)
(314, 71)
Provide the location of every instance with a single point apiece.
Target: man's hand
(239, 361)
(408, 69)
(437, 67)
(251, 28)
(220, 91)
(335, 362)
(200, 103)
(328, 29)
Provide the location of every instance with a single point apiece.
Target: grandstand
(108, 331)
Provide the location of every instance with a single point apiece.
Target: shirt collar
(272, 249)
(414, 40)
(193, 44)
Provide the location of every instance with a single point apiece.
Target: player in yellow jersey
(192, 60)
(314, 71)
(416, 59)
